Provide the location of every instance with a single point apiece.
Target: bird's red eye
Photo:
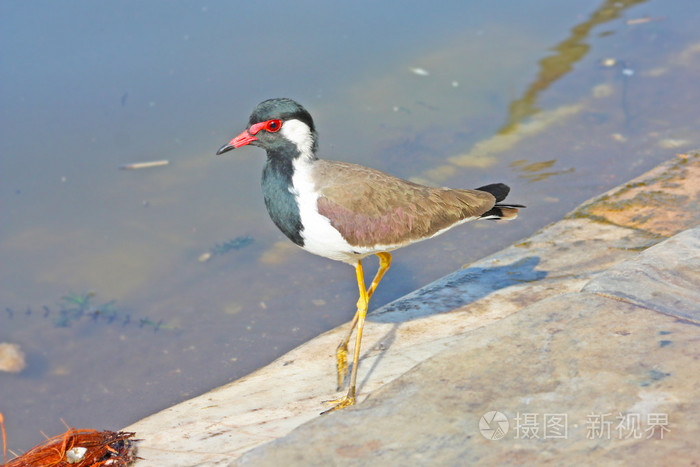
(273, 125)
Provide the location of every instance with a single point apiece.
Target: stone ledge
(417, 331)
(573, 354)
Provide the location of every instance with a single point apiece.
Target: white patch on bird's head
(301, 135)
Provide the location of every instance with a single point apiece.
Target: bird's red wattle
(256, 127)
(243, 139)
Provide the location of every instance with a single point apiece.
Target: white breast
(320, 237)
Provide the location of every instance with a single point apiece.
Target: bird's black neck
(280, 201)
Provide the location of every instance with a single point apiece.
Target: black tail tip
(498, 190)
(502, 212)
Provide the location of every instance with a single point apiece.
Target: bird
(347, 212)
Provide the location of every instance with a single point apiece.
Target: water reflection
(536, 171)
(551, 69)
(568, 52)
(486, 153)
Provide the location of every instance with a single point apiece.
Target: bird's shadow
(452, 291)
(458, 289)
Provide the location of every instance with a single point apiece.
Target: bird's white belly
(320, 238)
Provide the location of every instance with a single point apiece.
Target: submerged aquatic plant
(73, 307)
(232, 245)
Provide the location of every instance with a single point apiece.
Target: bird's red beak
(241, 140)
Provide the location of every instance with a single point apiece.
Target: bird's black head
(279, 126)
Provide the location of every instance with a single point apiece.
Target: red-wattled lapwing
(345, 211)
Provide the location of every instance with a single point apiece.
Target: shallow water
(101, 282)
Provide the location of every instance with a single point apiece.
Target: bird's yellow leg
(384, 263)
(362, 304)
(341, 352)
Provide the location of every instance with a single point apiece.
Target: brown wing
(369, 207)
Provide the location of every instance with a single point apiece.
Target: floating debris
(144, 165)
(81, 448)
(631, 22)
(204, 257)
(420, 71)
(12, 358)
(397, 108)
(608, 62)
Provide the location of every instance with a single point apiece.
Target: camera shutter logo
(493, 425)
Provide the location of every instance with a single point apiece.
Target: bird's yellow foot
(341, 361)
(341, 403)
